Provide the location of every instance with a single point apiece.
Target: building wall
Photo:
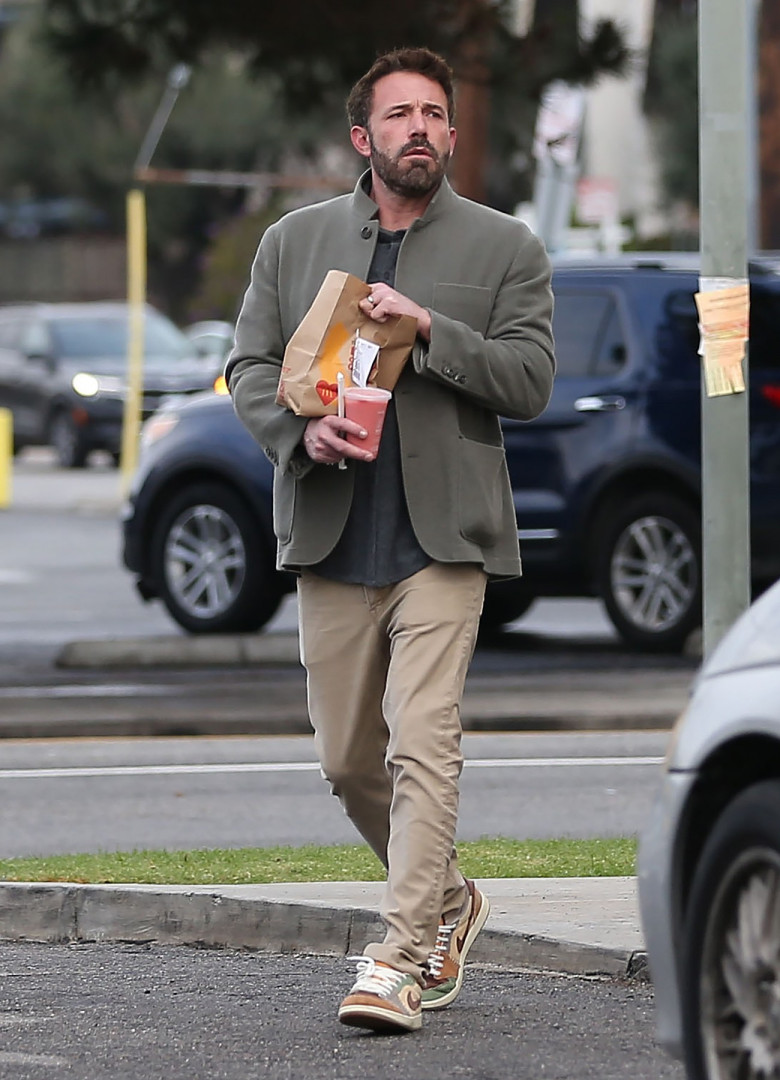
(63, 268)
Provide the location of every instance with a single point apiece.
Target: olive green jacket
(486, 281)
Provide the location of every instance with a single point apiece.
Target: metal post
(723, 141)
(136, 298)
(6, 457)
(177, 79)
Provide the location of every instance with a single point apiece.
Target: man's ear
(361, 140)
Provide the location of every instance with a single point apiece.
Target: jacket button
(365, 232)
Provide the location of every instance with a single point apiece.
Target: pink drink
(366, 406)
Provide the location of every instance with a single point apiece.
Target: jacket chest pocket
(469, 304)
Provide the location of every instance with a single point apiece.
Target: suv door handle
(600, 404)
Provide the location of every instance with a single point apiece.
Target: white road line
(15, 577)
(110, 691)
(8, 1057)
(309, 766)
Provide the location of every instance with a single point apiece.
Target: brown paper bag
(325, 344)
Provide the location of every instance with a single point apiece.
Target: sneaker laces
(441, 948)
(373, 979)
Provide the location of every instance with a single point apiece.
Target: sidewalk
(577, 926)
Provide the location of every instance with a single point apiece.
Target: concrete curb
(166, 650)
(236, 917)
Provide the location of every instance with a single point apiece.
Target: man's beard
(409, 178)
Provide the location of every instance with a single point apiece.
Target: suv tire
(648, 570)
(212, 562)
(67, 442)
(504, 602)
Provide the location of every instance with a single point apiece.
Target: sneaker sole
(476, 926)
(378, 1019)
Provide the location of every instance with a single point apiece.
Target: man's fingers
(325, 443)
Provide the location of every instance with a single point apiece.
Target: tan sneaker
(453, 941)
(382, 998)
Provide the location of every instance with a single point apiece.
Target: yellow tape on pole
(6, 456)
(136, 299)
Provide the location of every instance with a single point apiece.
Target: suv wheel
(504, 602)
(648, 570)
(67, 442)
(212, 563)
(731, 944)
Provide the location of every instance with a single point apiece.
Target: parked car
(212, 338)
(606, 482)
(709, 864)
(63, 373)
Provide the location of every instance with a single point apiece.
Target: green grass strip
(498, 858)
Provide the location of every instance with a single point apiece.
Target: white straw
(340, 389)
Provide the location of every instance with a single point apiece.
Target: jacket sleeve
(254, 365)
(510, 368)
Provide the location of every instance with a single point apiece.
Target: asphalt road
(112, 1012)
(59, 797)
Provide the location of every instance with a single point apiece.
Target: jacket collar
(366, 209)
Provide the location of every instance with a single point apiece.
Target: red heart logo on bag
(328, 392)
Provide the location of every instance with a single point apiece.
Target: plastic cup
(366, 405)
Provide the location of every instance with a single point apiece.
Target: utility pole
(724, 199)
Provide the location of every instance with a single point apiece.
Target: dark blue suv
(606, 482)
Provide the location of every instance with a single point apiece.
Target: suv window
(90, 336)
(589, 338)
(9, 333)
(35, 340)
(764, 328)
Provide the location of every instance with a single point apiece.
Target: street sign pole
(724, 201)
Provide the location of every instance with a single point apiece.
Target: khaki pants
(386, 669)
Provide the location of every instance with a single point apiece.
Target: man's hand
(385, 301)
(323, 442)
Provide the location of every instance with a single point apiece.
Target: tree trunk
(472, 101)
(769, 125)
(469, 163)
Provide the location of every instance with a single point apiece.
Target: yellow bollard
(6, 456)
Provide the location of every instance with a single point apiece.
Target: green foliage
(499, 858)
(78, 91)
(225, 266)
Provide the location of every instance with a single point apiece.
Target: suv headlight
(87, 385)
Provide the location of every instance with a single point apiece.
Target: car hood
(753, 640)
(159, 372)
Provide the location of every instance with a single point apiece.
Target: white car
(212, 338)
(709, 863)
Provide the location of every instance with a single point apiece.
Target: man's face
(408, 140)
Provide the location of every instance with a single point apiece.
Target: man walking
(393, 554)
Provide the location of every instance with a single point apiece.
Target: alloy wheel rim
(205, 561)
(740, 977)
(653, 574)
(63, 438)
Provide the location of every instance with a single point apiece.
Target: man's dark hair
(422, 61)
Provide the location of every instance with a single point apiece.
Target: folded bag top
(324, 344)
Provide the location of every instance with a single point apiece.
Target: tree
(672, 100)
(59, 143)
(769, 126)
(319, 49)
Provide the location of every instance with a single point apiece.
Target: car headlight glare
(85, 385)
(157, 427)
(88, 385)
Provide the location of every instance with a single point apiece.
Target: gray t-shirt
(378, 546)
